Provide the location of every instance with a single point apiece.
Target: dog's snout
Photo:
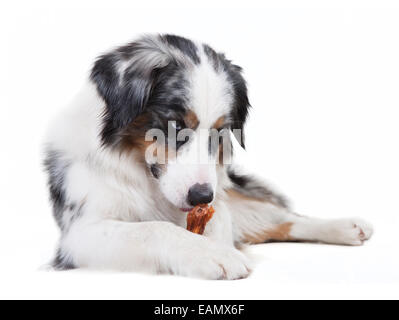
(200, 194)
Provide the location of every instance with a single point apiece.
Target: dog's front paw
(216, 263)
(351, 232)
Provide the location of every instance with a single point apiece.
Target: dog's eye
(177, 125)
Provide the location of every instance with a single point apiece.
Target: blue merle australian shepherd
(136, 150)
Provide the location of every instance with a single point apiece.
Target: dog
(119, 208)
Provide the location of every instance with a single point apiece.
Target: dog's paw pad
(365, 229)
(352, 232)
(361, 231)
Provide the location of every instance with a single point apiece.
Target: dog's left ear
(124, 79)
(241, 103)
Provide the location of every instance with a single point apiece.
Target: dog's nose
(200, 194)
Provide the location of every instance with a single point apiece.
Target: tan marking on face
(279, 232)
(133, 139)
(219, 123)
(191, 120)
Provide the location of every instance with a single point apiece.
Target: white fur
(211, 93)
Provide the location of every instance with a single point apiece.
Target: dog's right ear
(124, 79)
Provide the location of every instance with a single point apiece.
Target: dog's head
(183, 95)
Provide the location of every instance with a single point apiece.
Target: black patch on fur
(155, 171)
(253, 188)
(62, 262)
(184, 45)
(168, 100)
(239, 181)
(241, 103)
(125, 95)
(56, 168)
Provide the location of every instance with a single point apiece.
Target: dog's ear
(124, 79)
(241, 103)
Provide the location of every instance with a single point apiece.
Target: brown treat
(199, 217)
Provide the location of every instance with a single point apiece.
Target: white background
(323, 79)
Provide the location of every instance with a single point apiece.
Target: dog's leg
(259, 216)
(150, 247)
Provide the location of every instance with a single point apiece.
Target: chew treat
(199, 217)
